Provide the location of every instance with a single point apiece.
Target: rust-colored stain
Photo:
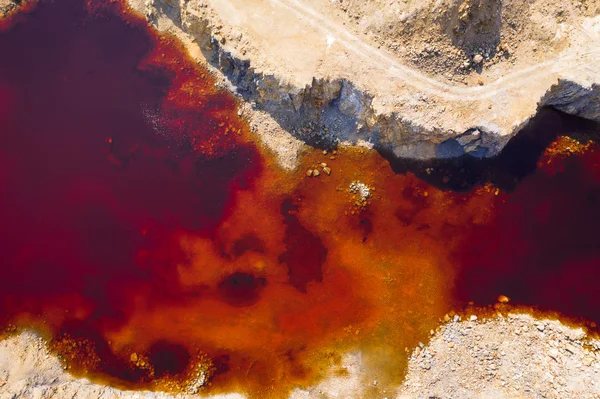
(152, 239)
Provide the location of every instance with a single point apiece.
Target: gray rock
(574, 99)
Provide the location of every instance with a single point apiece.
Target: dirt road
(571, 60)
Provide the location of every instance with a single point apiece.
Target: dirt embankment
(422, 79)
(505, 356)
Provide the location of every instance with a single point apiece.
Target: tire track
(571, 61)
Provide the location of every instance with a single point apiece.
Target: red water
(541, 247)
(113, 146)
(147, 234)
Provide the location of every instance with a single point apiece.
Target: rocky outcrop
(328, 111)
(7, 6)
(574, 99)
(428, 122)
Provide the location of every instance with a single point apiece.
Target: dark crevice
(506, 170)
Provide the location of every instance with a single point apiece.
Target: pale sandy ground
(408, 99)
(6, 6)
(513, 356)
(297, 41)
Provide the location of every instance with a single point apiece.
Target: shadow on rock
(516, 161)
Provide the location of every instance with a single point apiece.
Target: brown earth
(6, 6)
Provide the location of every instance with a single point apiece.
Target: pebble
(309, 173)
(316, 172)
(133, 357)
(327, 170)
(570, 348)
(478, 59)
(503, 299)
(473, 318)
(587, 361)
